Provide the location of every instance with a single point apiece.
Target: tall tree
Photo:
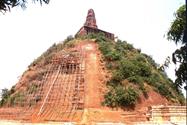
(178, 34)
(6, 5)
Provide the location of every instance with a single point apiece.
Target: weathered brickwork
(167, 113)
(90, 26)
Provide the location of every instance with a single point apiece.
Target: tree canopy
(6, 5)
(177, 33)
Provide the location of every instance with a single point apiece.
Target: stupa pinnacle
(90, 26)
(90, 19)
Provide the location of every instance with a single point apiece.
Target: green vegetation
(132, 71)
(17, 99)
(127, 63)
(119, 97)
(11, 98)
(68, 39)
(5, 94)
(7, 5)
(178, 34)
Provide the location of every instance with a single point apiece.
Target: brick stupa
(90, 26)
(90, 19)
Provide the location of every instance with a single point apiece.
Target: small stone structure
(167, 113)
(90, 26)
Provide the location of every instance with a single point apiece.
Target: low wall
(167, 113)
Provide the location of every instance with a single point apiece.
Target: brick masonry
(90, 26)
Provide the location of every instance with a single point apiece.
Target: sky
(26, 34)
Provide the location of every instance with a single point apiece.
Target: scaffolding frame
(60, 93)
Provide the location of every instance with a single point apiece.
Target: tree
(178, 34)
(6, 5)
(4, 96)
(5, 93)
(165, 65)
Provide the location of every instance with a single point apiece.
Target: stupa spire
(90, 26)
(90, 19)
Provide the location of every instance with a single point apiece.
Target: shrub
(119, 46)
(92, 36)
(128, 69)
(110, 99)
(143, 69)
(6, 96)
(150, 60)
(130, 97)
(10, 100)
(135, 79)
(100, 37)
(105, 48)
(153, 80)
(70, 44)
(140, 58)
(182, 100)
(129, 47)
(112, 56)
(164, 90)
(69, 38)
(132, 67)
(143, 89)
(119, 96)
(117, 76)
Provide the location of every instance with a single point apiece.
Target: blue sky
(26, 34)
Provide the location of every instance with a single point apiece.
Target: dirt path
(93, 111)
(92, 96)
